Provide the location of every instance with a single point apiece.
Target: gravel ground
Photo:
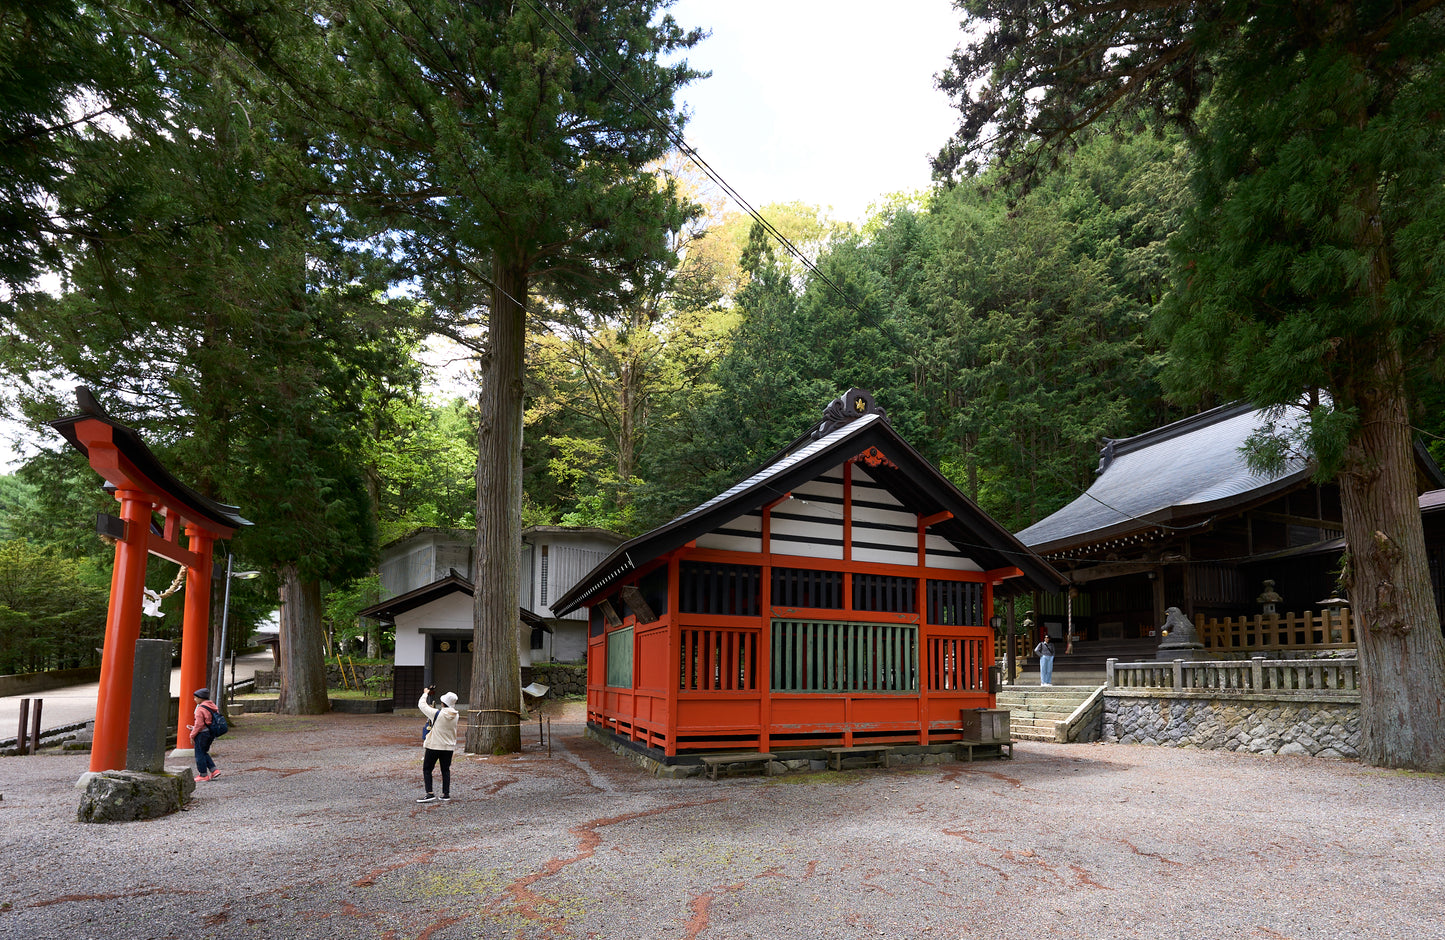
(312, 830)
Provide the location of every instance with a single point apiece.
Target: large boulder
(129, 795)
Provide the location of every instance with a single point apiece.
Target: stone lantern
(1270, 599)
(1334, 608)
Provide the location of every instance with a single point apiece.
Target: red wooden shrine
(840, 596)
(145, 490)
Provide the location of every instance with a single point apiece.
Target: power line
(565, 31)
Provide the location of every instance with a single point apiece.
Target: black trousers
(430, 759)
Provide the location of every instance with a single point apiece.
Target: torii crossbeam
(144, 487)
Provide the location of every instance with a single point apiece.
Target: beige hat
(449, 699)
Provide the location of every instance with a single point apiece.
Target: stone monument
(143, 790)
(150, 699)
(1180, 639)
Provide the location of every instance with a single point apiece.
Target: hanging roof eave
(452, 583)
(1182, 515)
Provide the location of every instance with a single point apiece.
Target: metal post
(219, 687)
(1009, 644)
(20, 739)
(35, 727)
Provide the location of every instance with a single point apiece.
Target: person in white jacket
(439, 742)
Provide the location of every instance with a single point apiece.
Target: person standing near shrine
(201, 736)
(439, 742)
(1045, 652)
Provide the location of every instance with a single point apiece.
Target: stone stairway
(1035, 712)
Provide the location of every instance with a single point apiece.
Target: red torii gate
(143, 486)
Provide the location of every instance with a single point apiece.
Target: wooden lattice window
(707, 588)
(804, 587)
(957, 663)
(955, 603)
(718, 660)
(883, 593)
(808, 656)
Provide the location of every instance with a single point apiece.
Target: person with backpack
(207, 725)
(1045, 652)
(438, 743)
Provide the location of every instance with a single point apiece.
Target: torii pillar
(144, 487)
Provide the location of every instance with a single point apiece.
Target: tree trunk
(627, 393)
(1402, 653)
(303, 661)
(493, 724)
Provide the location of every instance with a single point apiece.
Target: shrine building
(840, 596)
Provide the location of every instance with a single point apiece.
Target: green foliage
(227, 308)
(424, 459)
(1308, 268)
(62, 497)
(17, 499)
(1005, 341)
(52, 615)
(1314, 248)
(70, 81)
(344, 603)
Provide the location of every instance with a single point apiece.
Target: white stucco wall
(450, 614)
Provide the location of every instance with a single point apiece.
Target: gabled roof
(453, 583)
(1175, 475)
(913, 481)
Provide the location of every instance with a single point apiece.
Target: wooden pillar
(925, 713)
(122, 629)
(674, 651)
(765, 636)
(195, 632)
(1159, 594)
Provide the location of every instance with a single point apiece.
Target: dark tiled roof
(1173, 474)
(451, 584)
(139, 456)
(916, 483)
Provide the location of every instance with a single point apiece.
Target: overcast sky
(830, 102)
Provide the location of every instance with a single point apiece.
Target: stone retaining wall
(270, 679)
(29, 683)
(1087, 728)
(561, 679)
(1317, 726)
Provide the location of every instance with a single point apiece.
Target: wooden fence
(1254, 675)
(1311, 630)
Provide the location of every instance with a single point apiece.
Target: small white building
(427, 584)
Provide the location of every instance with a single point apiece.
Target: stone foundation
(790, 760)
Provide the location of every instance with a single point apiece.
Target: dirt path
(312, 831)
